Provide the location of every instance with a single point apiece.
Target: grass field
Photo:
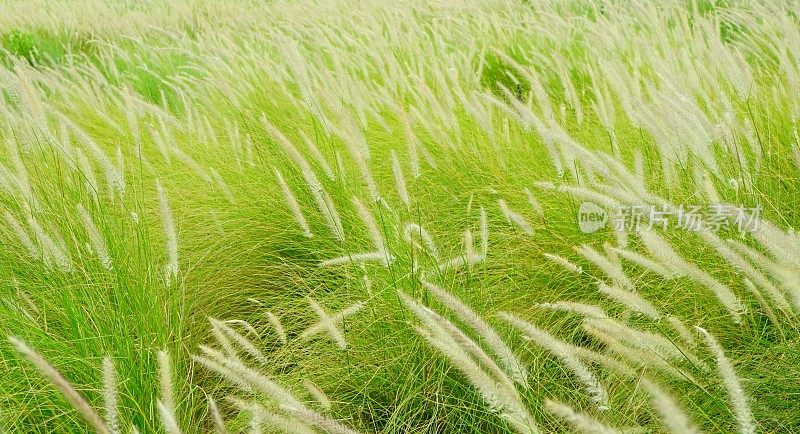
(378, 216)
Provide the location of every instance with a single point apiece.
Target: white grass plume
(563, 351)
(733, 258)
(469, 244)
(224, 341)
(86, 169)
(762, 302)
(114, 178)
(96, 238)
(256, 420)
(609, 267)
(645, 263)
(515, 218)
(399, 179)
(678, 325)
(630, 299)
(318, 156)
(321, 197)
(644, 340)
(744, 417)
(579, 421)
(7, 180)
(21, 176)
(359, 258)
(412, 229)
(192, 164)
(534, 203)
(77, 401)
(276, 324)
(673, 417)
(329, 323)
(239, 339)
(318, 394)
(500, 395)
(110, 395)
(484, 231)
(564, 263)
(281, 423)
(633, 355)
(375, 234)
(168, 418)
(508, 360)
(51, 250)
(574, 307)
(170, 234)
(216, 417)
(22, 235)
(294, 206)
(167, 399)
(442, 328)
(459, 261)
(244, 377)
(222, 185)
(663, 251)
(252, 381)
(311, 417)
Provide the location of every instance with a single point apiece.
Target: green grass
(179, 90)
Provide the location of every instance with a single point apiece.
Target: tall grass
(361, 216)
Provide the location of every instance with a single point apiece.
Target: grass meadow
(374, 216)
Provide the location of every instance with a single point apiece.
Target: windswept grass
(363, 217)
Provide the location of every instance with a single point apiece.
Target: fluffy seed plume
(359, 258)
(564, 263)
(515, 218)
(110, 395)
(216, 417)
(372, 226)
(75, 399)
(171, 270)
(399, 179)
(165, 384)
(579, 308)
(240, 340)
(609, 267)
(318, 394)
(497, 390)
(98, 242)
(52, 250)
(671, 413)
(744, 417)
(508, 360)
(563, 351)
(579, 421)
(534, 203)
(323, 201)
(168, 418)
(329, 323)
(411, 230)
(661, 249)
(294, 206)
(630, 299)
(22, 235)
(318, 157)
(645, 262)
(276, 324)
(484, 228)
